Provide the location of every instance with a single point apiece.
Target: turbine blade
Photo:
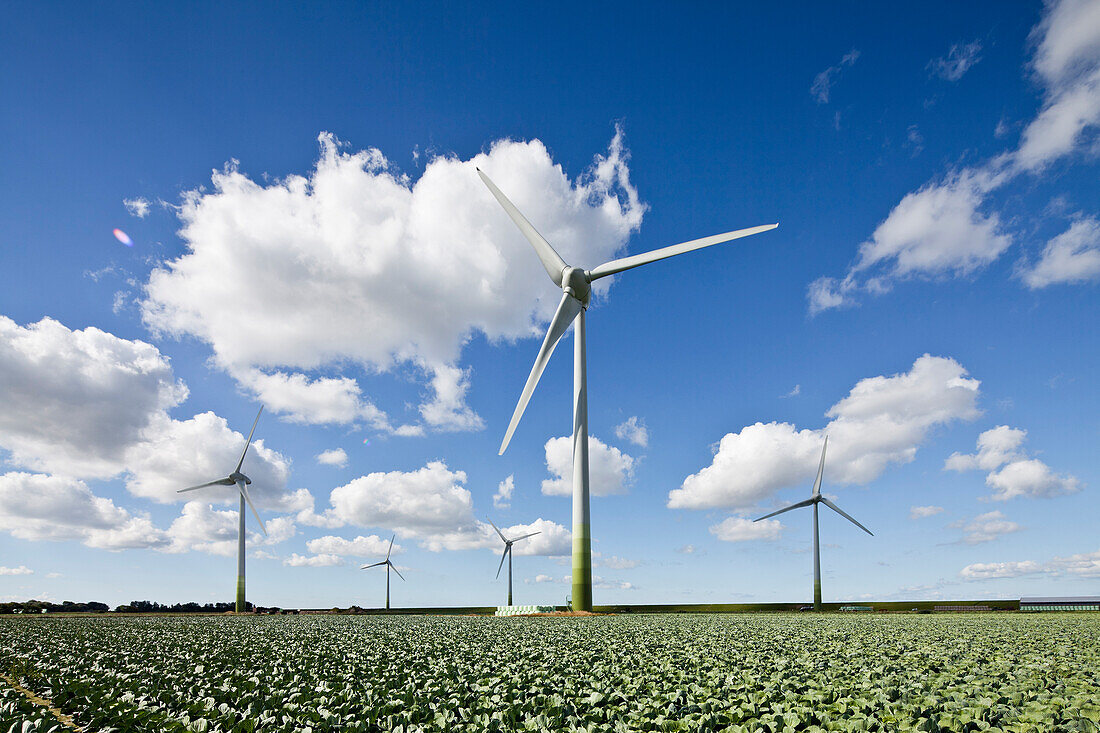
(219, 482)
(502, 556)
(397, 571)
(244, 493)
(799, 505)
(820, 468)
(373, 565)
(498, 531)
(551, 260)
(567, 311)
(249, 441)
(627, 263)
(517, 539)
(391, 547)
(842, 513)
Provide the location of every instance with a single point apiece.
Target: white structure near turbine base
(576, 285)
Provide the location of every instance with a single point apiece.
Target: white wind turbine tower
(576, 285)
(389, 566)
(240, 481)
(508, 554)
(815, 499)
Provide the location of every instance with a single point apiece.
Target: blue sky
(309, 234)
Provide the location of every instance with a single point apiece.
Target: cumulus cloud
(502, 499)
(921, 512)
(610, 471)
(823, 82)
(882, 421)
(76, 401)
(44, 507)
(988, 527)
(21, 570)
(315, 561)
(743, 529)
(947, 228)
(1071, 257)
(959, 59)
(989, 570)
(138, 207)
(354, 264)
(1011, 473)
(202, 528)
(370, 546)
(333, 457)
(634, 431)
(552, 540)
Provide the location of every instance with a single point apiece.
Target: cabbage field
(1006, 672)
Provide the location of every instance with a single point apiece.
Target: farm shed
(1067, 603)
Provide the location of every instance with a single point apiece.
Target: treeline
(33, 606)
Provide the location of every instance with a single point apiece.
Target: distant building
(857, 609)
(1066, 603)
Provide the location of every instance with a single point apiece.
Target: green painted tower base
(240, 605)
(582, 568)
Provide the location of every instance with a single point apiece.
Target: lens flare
(366, 441)
(123, 237)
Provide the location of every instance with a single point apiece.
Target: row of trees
(131, 607)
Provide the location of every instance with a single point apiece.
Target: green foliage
(616, 674)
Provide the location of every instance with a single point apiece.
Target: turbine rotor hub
(574, 282)
(238, 476)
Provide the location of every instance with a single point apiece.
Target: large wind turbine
(508, 554)
(389, 566)
(240, 481)
(815, 499)
(576, 285)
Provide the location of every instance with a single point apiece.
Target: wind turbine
(508, 554)
(815, 499)
(576, 285)
(240, 481)
(389, 565)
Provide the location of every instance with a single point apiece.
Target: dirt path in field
(42, 702)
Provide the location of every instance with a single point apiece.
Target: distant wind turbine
(576, 291)
(508, 554)
(389, 566)
(815, 499)
(240, 481)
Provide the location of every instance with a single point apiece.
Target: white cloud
(618, 563)
(945, 229)
(1085, 565)
(370, 546)
(333, 457)
(988, 527)
(541, 578)
(921, 512)
(686, 550)
(21, 570)
(320, 401)
(823, 82)
(44, 507)
(743, 529)
(1071, 257)
(959, 59)
(182, 453)
(986, 571)
(883, 420)
(633, 430)
(552, 540)
(606, 584)
(202, 528)
(610, 471)
(355, 264)
(76, 401)
(502, 499)
(1011, 473)
(316, 561)
(794, 392)
(138, 207)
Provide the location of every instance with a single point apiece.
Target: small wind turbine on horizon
(389, 566)
(815, 499)
(239, 480)
(576, 285)
(508, 554)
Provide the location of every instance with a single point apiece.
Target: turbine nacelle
(574, 281)
(238, 477)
